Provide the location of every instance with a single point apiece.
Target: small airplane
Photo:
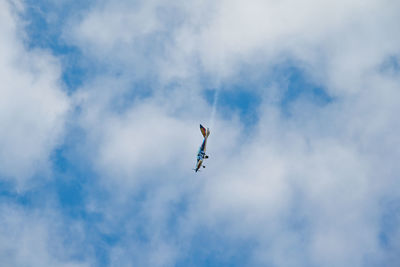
(201, 155)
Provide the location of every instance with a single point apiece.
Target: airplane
(201, 155)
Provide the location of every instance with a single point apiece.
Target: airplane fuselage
(201, 155)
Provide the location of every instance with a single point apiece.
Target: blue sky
(102, 102)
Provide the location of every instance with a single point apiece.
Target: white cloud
(32, 103)
(326, 166)
(220, 35)
(38, 238)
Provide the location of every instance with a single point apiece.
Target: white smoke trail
(214, 107)
(219, 75)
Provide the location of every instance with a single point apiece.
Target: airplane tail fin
(205, 132)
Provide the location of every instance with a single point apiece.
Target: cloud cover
(310, 182)
(33, 104)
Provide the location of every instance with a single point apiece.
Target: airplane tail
(205, 132)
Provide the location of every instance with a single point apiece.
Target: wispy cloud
(32, 102)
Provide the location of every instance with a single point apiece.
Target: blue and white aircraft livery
(201, 156)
